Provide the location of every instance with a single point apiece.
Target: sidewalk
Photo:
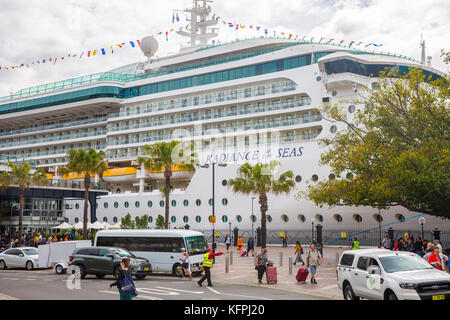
(242, 271)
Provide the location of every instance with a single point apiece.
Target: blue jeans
(313, 269)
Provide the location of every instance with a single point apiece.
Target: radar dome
(149, 46)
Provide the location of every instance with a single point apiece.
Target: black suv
(102, 261)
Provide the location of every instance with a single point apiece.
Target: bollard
(231, 257)
(281, 259)
(290, 265)
(337, 258)
(227, 264)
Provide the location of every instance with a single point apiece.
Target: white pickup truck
(389, 275)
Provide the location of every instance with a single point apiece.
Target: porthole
(400, 217)
(77, 220)
(105, 219)
(224, 201)
(224, 182)
(351, 109)
(331, 176)
(269, 218)
(284, 218)
(378, 218)
(198, 202)
(301, 218)
(105, 205)
(238, 218)
(318, 78)
(224, 219)
(126, 204)
(149, 204)
(210, 201)
(161, 203)
(333, 129)
(173, 219)
(253, 218)
(77, 206)
(67, 206)
(150, 219)
(357, 218)
(186, 203)
(349, 176)
(185, 219)
(116, 204)
(334, 93)
(337, 217)
(315, 177)
(198, 219)
(174, 203)
(66, 220)
(298, 179)
(319, 217)
(137, 204)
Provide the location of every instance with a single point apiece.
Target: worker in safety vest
(207, 265)
(355, 244)
(240, 243)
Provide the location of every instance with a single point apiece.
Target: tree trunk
(264, 208)
(167, 175)
(87, 185)
(21, 203)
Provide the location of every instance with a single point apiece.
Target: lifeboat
(75, 176)
(177, 174)
(117, 175)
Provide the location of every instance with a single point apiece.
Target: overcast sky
(32, 30)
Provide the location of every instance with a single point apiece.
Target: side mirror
(374, 270)
(110, 256)
(21, 255)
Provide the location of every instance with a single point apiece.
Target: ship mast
(199, 24)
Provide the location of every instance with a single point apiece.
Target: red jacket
(433, 258)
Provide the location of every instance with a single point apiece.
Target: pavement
(242, 271)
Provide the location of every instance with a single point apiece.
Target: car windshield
(404, 263)
(123, 253)
(196, 245)
(30, 252)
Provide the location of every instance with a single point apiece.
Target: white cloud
(36, 29)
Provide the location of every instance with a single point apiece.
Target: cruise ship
(251, 100)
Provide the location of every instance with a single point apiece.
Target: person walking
(124, 281)
(251, 246)
(355, 244)
(284, 238)
(207, 266)
(228, 241)
(185, 264)
(436, 259)
(418, 246)
(313, 260)
(261, 264)
(387, 243)
(298, 254)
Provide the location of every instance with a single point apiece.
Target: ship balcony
(345, 79)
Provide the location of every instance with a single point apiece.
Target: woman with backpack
(298, 254)
(124, 281)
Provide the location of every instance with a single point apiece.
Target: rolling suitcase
(302, 274)
(243, 252)
(271, 275)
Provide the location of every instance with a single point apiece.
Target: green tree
(127, 222)
(397, 148)
(159, 222)
(142, 222)
(86, 162)
(22, 177)
(164, 157)
(259, 180)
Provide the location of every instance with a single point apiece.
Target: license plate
(439, 297)
(146, 269)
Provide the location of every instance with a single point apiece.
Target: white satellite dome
(149, 46)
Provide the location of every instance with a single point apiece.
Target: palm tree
(85, 162)
(164, 156)
(259, 180)
(22, 177)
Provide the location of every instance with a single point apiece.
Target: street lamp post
(379, 225)
(312, 230)
(422, 222)
(253, 198)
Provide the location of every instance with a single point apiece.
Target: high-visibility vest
(206, 261)
(355, 245)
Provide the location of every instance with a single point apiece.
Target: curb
(6, 297)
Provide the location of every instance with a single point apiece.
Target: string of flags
(165, 34)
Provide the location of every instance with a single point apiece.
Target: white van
(160, 247)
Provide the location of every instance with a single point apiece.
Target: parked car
(23, 257)
(103, 261)
(389, 275)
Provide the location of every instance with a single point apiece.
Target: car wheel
(59, 269)
(3, 265)
(392, 296)
(349, 294)
(29, 265)
(100, 276)
(82, 271)
(140, 276)
(116, 272)
(176, 270)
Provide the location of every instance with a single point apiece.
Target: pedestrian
(436, 259)
(124, 281)
(207, 266)
(228, 241)
(251, 246)
(387, 243)
(409, 246)
(284, 239)
(418, 246)
(437, 244)
(240, 243)
(298, 254)
(261, 264)
(313, 260)
(185, 265)
(355, 245)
